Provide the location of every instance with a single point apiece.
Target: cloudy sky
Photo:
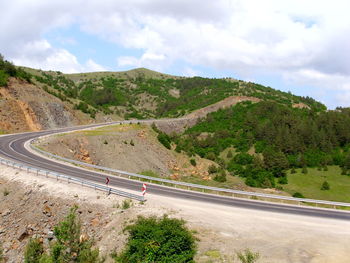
(302, 46)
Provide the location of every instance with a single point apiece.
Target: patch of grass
(126, 204)
(150, 173)
(310, 184)
(213, 253)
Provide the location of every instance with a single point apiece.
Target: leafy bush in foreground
(158, 240)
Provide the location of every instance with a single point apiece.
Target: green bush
(33, 251)
(3, 78)
(210, 156)
(220, 177)
(212, 169)
(164, 139)
(229, 154)
(304, 170)
(283, 180)
(325, 186)
(158, 240)
(298, 195)
(243, 158)
(193, 162)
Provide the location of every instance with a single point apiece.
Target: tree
(158, 240)
(229, 154)
(33, 251)
(325, 186)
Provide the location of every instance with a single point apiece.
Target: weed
(126, 204)
(6, 192)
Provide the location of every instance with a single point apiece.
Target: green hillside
(142, 93)
(262, 141)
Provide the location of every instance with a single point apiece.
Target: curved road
(12, 147)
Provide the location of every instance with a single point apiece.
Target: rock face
(26, 107)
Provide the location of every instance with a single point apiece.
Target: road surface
(12, 147)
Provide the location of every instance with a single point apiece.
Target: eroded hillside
(26, 107)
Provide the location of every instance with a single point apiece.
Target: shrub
(126, 204)
(105, 142)
(3, 78)
(304, 170)
(283, 180)
(325, 186)
(158, 240)
(298, 195)
(210, 156)
(243, 158)
(6, 192)
(132, 143)
(293, 171)
(220, 177)
(69, 247)
(33, 251)
(248, 256)
(344, 171)
(229, 154)
(212, 169)
(193, 162)
(164, 139)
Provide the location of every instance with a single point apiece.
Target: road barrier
(70, 179)
(190, 186)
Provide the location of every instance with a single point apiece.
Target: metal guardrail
(193, 186)
(70, 179)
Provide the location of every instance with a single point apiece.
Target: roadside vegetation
(158, 240)
(69, 245)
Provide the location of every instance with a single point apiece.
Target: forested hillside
(142, 93)
(267, 138)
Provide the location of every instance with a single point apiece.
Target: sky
(302, 46)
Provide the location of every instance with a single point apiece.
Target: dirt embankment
(26, 107)
(133, 148)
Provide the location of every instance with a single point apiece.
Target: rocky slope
(26, 107)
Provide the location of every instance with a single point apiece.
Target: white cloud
(41, 55)
(306, 42)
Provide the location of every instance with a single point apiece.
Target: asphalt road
(12, 147)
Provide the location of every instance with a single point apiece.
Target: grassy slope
(310, 184)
